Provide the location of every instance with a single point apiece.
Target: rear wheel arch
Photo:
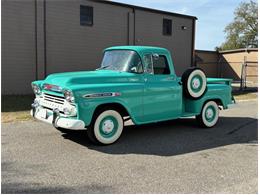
(217, 100)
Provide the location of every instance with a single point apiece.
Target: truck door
(162, 92)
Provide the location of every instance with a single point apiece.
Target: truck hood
(65, 80)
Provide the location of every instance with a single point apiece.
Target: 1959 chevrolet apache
(133, 82)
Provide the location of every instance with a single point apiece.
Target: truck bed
(219, 81)
(218, 89)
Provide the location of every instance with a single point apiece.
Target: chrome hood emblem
(50, 87)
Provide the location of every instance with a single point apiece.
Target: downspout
(44, 37)
(134, 25)
(193, 62)
(36, 40)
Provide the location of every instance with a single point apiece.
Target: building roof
(239, 50)
(145, 9)
(227, 51)
(205, 51)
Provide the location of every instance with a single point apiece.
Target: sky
(213, 16)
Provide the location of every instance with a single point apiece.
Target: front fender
(87, 108)
(131, 98)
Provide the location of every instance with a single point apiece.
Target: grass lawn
(240, 96)
(8, 117)
(17, 108)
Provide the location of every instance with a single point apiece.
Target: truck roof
(139, 49)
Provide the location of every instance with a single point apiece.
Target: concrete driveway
(168, 157)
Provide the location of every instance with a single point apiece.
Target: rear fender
(195, 106)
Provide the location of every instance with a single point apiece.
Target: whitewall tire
(107, 127)
(209, 115)
(194, 83)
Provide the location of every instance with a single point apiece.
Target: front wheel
(106, 128)
(209, 115)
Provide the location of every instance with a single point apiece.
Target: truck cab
(135, 82)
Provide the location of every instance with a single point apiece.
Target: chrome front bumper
(55, 118)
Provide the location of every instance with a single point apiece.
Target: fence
(241, 65)
(244, 74)
(249, 74)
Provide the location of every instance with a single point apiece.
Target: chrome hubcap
(196, 83)
(108, 126)
(209, 113)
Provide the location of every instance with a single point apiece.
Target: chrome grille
(51, 102)
(54, 98)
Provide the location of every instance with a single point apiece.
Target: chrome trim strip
(101, 95)
(54, 99)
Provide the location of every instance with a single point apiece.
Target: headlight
(68, 96)
(36, 89)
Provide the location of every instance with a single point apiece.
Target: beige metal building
(40, 37)
(239, 64)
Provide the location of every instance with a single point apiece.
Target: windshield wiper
(103, 67)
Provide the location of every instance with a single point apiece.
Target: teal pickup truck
(133, 82)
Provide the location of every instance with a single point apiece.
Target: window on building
(86, 15)
(167, 27)
(160, 65)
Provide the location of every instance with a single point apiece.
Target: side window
(86, 15)
(160, 65)
(135, 65)
(148, 63)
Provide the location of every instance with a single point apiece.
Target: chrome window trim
(145, 67)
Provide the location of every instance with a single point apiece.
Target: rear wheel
(106, 127)
(209, 115)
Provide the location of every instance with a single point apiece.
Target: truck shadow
(175, 137)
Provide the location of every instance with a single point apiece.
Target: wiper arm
(103, 67)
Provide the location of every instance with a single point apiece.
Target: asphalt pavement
(169, 157)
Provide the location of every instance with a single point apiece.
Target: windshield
(122, 60)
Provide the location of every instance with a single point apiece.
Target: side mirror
(156, 56)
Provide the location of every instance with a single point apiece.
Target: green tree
(243, 31)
